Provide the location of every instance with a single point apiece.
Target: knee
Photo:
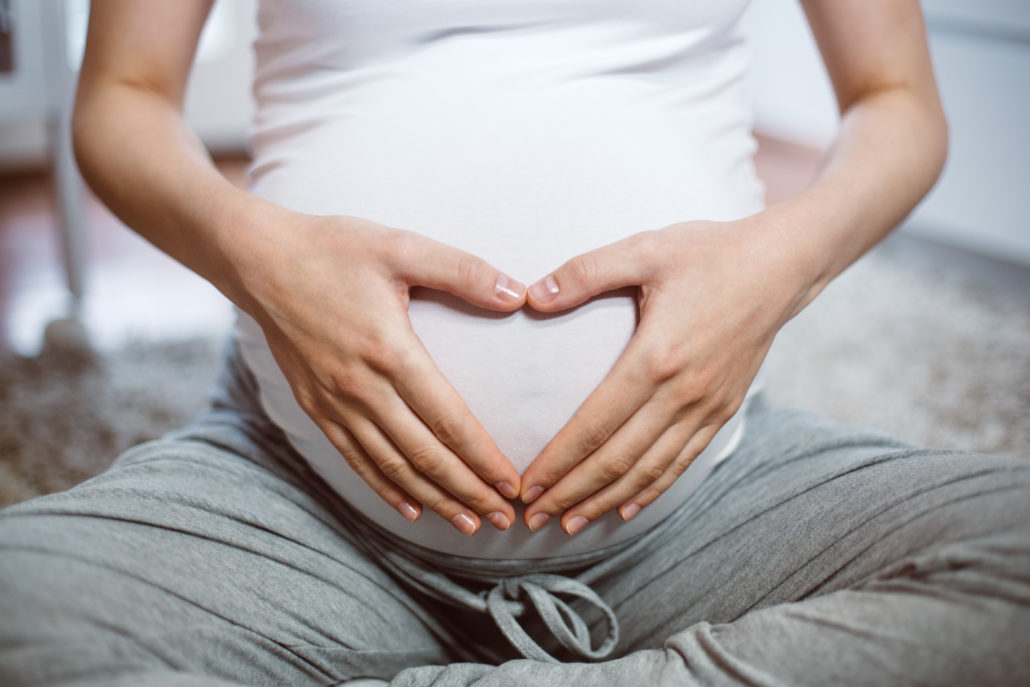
(969, 525)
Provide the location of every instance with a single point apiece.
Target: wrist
(781, 244)
(248, 234)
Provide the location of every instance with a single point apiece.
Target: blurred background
(927, 337)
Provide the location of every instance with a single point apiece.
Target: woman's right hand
(331, 295)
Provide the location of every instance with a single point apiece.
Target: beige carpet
(918, 344)
(906, 341)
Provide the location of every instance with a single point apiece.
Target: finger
(366, 469)
(396, 468)
(610, 463)
(677, 467)
(440, 465)
(667, 461)
(619, 395)
(610, 267)
(424, 262)
(441, 408)
(435, 461)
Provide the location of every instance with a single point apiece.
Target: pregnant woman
(416, 468)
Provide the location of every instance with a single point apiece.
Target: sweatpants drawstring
(567, 626)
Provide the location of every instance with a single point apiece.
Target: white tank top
(525, 132)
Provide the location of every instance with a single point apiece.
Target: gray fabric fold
(817, 553)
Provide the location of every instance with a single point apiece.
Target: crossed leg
(818, 553)
(206, 557)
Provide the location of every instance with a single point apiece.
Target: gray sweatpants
(817, 553)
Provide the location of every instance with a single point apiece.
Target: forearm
(888, 154)
(141, 159)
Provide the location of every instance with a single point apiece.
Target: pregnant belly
(523, 374)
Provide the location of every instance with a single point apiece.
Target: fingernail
(576, 524)
(538, 520)
(408, 511)
(464, 523)
(532, 494)
(507, 490)
(508, 289)
(629, 511)
(499, 520)
(545, 290)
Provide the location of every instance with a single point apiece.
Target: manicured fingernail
(509, 491)
(499, 520)
(545, 289)
(464, 523)
(532, 494)
(538, 520)
(508, 289)
(576, 524)
(629, 511)
(408, 511)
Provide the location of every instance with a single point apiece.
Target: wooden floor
(134, 290)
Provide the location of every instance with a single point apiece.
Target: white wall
(793, 97)
(219, 104)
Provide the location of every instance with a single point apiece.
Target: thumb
(438, 266)
(589, 274)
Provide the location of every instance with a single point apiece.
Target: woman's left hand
(712, 296)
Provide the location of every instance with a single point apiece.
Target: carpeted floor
(65, 417)
(903, 341)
